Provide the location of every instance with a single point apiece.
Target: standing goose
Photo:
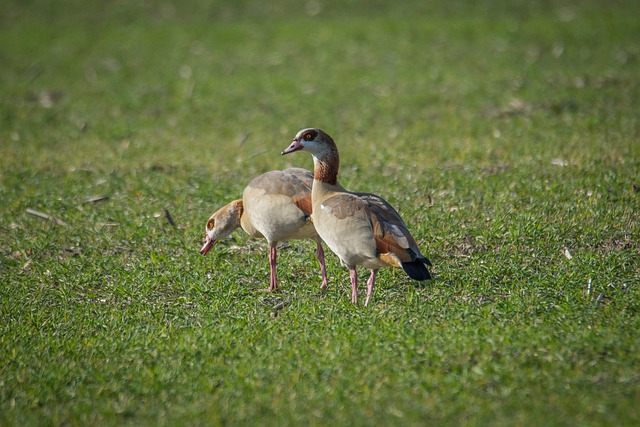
(362, 229)
(275, 205)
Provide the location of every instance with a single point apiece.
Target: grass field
(506, 133)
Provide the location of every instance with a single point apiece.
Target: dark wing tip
(416, 270)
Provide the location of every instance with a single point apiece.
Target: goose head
(313, 140)
(221, 224)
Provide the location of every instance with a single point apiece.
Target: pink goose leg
(323, 268)
(353, 275)
(370, 284)
(273, 256)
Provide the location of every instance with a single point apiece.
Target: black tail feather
(417, 270)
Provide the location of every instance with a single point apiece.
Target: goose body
(361, 229)
(276, 206)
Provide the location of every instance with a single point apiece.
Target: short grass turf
(506, 134)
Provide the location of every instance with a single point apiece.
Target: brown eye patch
(309, 135)
(210, 225)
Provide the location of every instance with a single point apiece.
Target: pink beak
(295, 146)
(207, 246)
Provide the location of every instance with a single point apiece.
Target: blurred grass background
(159, 80)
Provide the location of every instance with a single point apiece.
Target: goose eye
(210, 225)
(308, 136)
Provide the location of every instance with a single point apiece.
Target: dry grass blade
(279, 306)
(46, 216)
(96, 199)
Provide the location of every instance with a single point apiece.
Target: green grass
(507, 135)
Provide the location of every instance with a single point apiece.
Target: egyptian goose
(362, 229)
(275, 205)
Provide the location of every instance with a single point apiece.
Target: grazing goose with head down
(275, 205)
(362, 229)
